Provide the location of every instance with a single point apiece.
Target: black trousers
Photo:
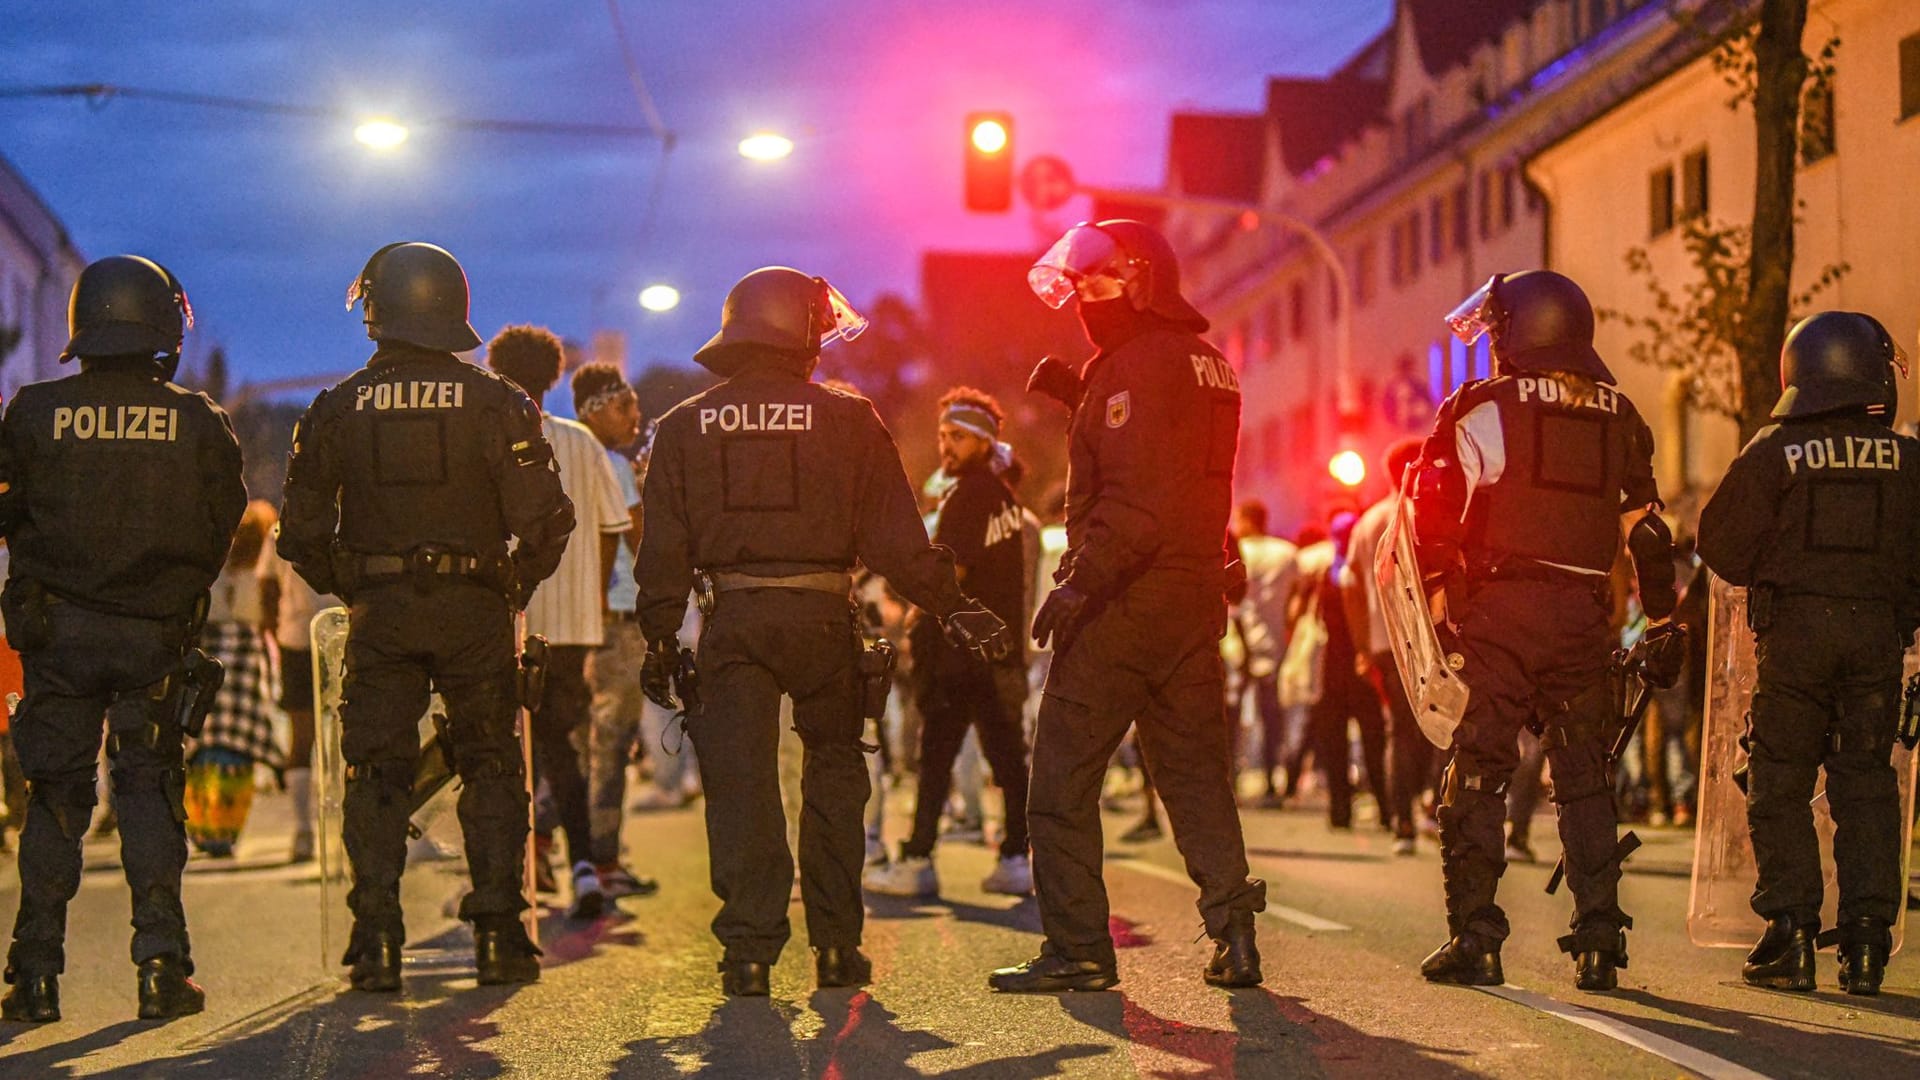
(989, 698)
(95, 666)
(1828, 696)
(457, 638)
(757, 645)
(565, 707)
(1346, 696)
(1409, 754)
(1533, 648)
(1151, 659)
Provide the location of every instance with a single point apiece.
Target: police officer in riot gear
(119, 493)
(768, 489)
(406, 482)
(1140, 605)
(1816, 518)
(1519, 501)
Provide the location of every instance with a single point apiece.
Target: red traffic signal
(989, 151)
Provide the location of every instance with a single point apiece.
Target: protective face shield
(124, 305)
(1086, 262)
(1476, 316)
(837, 319)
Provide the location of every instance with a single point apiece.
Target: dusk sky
(266, 218)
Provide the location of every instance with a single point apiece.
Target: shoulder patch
(1119, 409)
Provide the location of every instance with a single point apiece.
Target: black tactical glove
(1663, 651)
(657, 671)
(1058, 380)
(980, 632)
(1059, 618)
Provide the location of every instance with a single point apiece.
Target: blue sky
(266, 219)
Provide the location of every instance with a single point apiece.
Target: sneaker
(1012, 876)
(617, 881)
(1519, 851)
(1404, 845)
(910, 877)
(589, 899)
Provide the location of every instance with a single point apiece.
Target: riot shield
(435, 840)
(1434, 688)
(1718, 911)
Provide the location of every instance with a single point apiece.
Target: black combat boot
(747, 978)
(1465, 960)
(1862, 945)
(502, 954)
(1051, 974)
(34, 999)
(1236, 958)
(841, 965)
(376, 963)
(1595, 958)
(165, 990)
(1783, 958)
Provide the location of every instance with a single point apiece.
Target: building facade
(38, 266)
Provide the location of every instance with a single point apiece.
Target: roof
(1447, 31)
(1217, 155)
(31, 217)
(1316, 116)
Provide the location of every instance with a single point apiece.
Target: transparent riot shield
(1718, 910)
(436, 868)
(1435, 689)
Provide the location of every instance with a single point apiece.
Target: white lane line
(1699, 1061)
(1300, 918)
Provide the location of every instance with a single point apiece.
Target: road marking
(1305, 919)
(1699, 1061)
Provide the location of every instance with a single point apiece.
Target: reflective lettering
(1858, 452)
(413, 394)
(147, 423)
(761, 416)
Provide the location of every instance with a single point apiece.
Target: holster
(24, 605)
(686, 682)
(876, 664)
(530, 680)
(196, 685)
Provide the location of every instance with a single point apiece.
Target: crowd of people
(760, 577)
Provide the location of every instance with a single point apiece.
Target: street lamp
(765, 146)
(380, 133)
(658, 298)
(1349, 468)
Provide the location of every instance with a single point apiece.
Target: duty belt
(838, 582)
(443, 562)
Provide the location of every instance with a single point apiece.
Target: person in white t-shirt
(568, 608)
(287, 607)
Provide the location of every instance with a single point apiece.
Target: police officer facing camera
(1520, 498)
(119, 493)
(1815, 517)
(1140, 605)
(405, 484)
(769, 488)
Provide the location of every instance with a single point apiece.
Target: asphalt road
(636, 994)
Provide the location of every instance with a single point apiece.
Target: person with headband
(980, 521)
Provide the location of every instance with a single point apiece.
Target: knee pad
(68, 801)
(490, 762)
(1466, 781)
(1579, 772)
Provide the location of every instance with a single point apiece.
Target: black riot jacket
(771, 474)
(1548, 464)
(123, 490)
(1150, 464)
(1824, 506)
(421, 448)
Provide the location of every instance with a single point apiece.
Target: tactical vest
(1570, 449)
(1846, 511)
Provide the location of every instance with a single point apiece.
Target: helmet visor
(1086, 262)
(842, 322)
(1476, 314)
(357, 291)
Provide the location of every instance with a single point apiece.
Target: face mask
(1109, 323)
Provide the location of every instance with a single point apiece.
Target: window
(1459, 229)
(1909, 75)
(1297, 303)
(1596, 15)
(1484, 207)
(1693, 184)
(1436, 230)
(1509, 180)
(1660, 201)
(1363, 271)
(1413, 243)
(1816, 120)
(1437, 387)
(1397, 253)
(1271, 321)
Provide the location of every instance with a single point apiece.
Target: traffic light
(989, 162)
